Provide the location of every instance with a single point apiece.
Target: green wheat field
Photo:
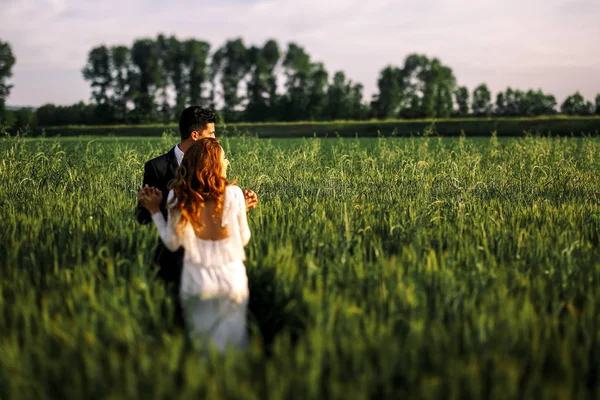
(425, 268)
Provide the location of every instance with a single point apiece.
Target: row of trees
(154, 79)
(425, 88)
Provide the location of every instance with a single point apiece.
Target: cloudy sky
(549, 44)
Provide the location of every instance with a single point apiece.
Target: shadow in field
(274, 311)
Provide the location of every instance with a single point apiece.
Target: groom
(195, 123)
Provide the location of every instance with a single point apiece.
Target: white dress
(214, 285)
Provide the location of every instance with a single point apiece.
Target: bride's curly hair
(199, 178)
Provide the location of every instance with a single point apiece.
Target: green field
(426, 268)
(552, 125)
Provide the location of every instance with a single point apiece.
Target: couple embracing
(201, 220)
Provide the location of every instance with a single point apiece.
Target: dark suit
(158, 172)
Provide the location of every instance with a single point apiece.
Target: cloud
(549, 42)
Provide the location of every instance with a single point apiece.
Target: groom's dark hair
(195, 118)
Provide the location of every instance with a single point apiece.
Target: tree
(344, 99)
(462, 101)
(98, 71)
(146, 79)
(122, 76)
(550, 104)
(164, 61)
(297, 69)
(7, 61)
(175, 66)
(511, 108)
(415, 98)
(317, 91)
(413, 86)
(597, 104)
(231, 62)
(76, 114)
(46, 115)
(262, 86)
(387, 103)
(422, 88)
(338, 97)
(526, 104)
(576, 105)
(357, 110)
(500, 107)
(271, 54)
(439, 85)
(481, 101)
(25, 119)
(536, 103)
(196, 64)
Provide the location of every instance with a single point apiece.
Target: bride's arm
(167, 229)
(242, 218)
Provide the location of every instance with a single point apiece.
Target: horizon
(537, 45)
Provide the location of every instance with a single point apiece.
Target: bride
(207, 217)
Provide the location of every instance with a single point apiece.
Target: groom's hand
(251, 199)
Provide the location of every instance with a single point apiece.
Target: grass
(378, 268)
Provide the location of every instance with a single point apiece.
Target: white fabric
(214, 285)
(178, 154)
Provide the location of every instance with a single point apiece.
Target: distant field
(425, 268)
(557, 126)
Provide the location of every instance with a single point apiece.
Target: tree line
(154, 79)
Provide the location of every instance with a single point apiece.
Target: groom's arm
(151, 179)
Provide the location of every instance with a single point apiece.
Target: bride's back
(213, 241)
(211, 225)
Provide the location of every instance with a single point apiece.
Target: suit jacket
(158, 172)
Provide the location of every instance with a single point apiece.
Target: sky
(526, 44)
